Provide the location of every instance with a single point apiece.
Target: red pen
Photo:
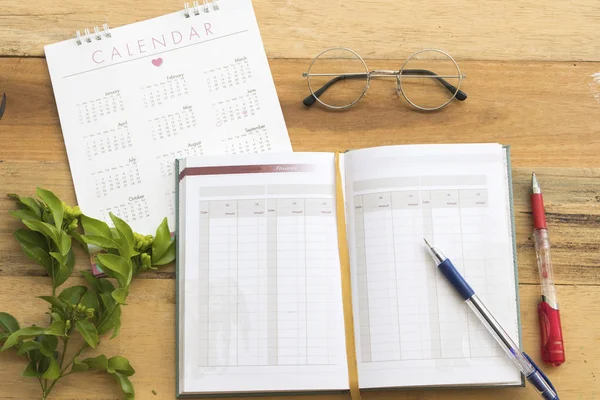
(553, 350)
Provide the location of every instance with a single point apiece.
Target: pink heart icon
(157, 62)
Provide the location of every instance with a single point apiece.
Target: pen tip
(534, 184)
(426, 242)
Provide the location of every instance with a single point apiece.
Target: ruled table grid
(265, 282)
(406, 310)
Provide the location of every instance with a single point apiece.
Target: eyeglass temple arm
(460, 95)
(310, 100)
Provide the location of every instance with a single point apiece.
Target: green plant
(90, 311)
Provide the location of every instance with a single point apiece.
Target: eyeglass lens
(338, 78)
(429, 79)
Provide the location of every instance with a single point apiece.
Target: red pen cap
(553, 349)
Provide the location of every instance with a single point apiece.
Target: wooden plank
(570, 194)
(482, 30)
(147, 338)
(503, 106)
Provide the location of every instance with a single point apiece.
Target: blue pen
(522, 360)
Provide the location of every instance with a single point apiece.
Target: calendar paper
(259, 302)
(135, 98)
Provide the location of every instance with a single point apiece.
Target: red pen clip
(553, 350)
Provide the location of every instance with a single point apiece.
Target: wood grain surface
(547, 111)
(481, 30)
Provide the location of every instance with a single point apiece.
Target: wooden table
(535, 85)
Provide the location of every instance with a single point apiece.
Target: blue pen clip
(544, 377)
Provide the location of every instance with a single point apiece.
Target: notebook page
(411, 328)
(260, 288)
(157, 90)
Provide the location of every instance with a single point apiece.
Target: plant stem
(47, 392)
(62, 373)
(73, 360)
(64, 352)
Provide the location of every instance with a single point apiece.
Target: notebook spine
(89, 37)
(200, 7)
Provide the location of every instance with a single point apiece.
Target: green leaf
(121, 365)
(90, 300)
(35, 345)
(167, 257)
(56, 303)
(39, 256)
(111, 318)
(31, 238)
(8, 323)
(58, 257)
(106, 286)
(43, 363)
(53, 371)
(23, 333)
(107, 301)
(45, 229)
(91, 279)
(57, 329)
(93, 226)
(77, 236)
(161, 240)
(65, 242)
(31, 370)
(126, 385)
(36, 356)
(53, 203)
(99, 363)
(120, 295)
(65, 270)
(101, 241)
(72, 295)
(24, 215)
(49, 342)
(56, 316)
(116, 321)
(89, 332)
(125, 234)
(28, 346)
(79, 366)
(27, 203)
(119, 265)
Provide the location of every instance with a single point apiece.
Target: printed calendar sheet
(133, 99)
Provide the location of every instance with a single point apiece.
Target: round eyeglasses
(338, 78)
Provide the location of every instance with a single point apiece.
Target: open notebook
(260, 305)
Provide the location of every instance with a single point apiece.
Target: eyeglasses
(429, 79)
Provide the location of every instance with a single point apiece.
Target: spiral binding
(88, 36)
(196, 7)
